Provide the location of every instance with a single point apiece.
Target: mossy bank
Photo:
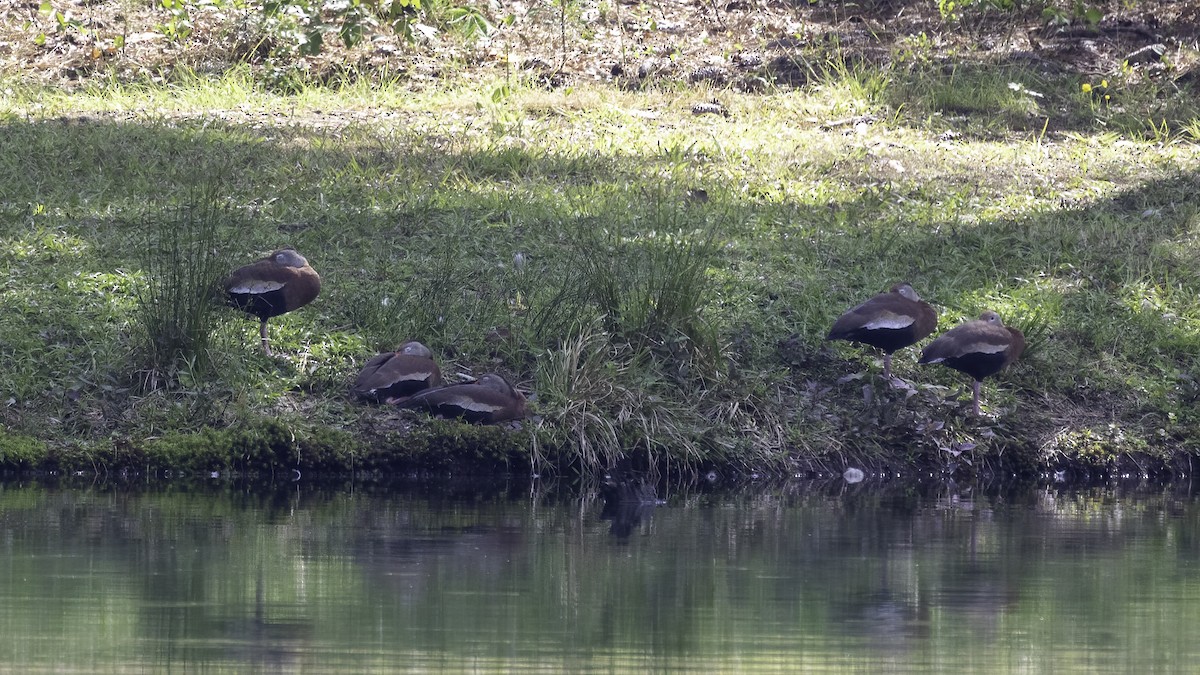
(659, 281)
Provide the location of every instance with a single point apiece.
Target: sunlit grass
(662, 280)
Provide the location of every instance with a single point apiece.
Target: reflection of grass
(640, 273)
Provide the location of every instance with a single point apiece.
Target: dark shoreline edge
(269, 450)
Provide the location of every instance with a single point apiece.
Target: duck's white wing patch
(468, 403)
(976, 348)
(890, 321)
(414, 375)
(982, 347)
(256, 286)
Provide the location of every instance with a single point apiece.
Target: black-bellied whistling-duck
(279, 283)
(888, 321)
(399, 374)
(488, 400)
(978, 348)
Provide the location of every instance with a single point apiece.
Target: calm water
(789, 578)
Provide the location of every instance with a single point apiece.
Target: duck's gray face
(907, 291)
(416, 349)
(497, 383)
(288, 258)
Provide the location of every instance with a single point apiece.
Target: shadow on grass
(1048, 68)
(418, 236)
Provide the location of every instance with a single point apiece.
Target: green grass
(176, 299)
(557, 237)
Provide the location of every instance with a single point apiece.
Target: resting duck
(978, 348)
(274, 285)
(888, 321)
(488, 400)
(396, 375)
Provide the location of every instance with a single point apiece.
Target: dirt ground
(744, 44)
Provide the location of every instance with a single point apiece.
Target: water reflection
(798, 576)
(627, 502)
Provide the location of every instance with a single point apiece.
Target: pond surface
(795, 577)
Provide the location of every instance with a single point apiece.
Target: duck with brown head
(887, 321)
(279, 283)
(488, 400)
(978, 348)
(394, 376)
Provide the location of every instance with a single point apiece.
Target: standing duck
(488, 400)
(888, 321)
(978, 348)
(274, 285)
(397, 375)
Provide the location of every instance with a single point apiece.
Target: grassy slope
(413, 207)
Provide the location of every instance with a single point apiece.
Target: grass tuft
(649, 283)
(605, 405)
(175, 302)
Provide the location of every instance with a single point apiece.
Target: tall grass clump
(572, 382)
(630, 350)
(647, 282)
(606, 407)
(846, 77)
(176, 301)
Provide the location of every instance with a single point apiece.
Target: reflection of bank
(215, 627)
(626, 504)
(409, 564)
(262, 642)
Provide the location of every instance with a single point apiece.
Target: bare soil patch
(741, 44)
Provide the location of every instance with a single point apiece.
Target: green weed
(648, 281)
(176, 299)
